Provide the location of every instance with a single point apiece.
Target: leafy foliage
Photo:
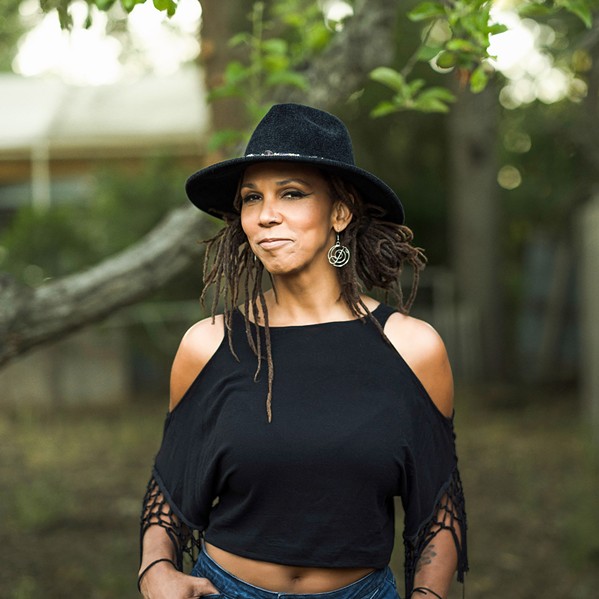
(281, 41)
(409, 95)
(11, 30)
(455, 36)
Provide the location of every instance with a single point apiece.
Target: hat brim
(212, 189)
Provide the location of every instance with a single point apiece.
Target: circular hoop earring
(338, 254)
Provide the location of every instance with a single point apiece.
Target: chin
(280, 269)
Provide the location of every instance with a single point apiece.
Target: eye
(250, 197)
(294, 194)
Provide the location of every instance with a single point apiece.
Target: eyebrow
(279, 183)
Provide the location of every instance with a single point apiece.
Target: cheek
(246, 223)
(317, 220)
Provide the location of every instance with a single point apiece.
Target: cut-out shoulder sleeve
(178, 496)
(434, 499)
(422, 348)
(176, 485)
(156, 511)
(196, 349)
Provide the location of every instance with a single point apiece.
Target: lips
(271, 243)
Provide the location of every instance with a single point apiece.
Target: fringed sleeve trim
(157, 511)
(449, 514)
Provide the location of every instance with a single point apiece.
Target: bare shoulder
(424, 351)
(198, 345)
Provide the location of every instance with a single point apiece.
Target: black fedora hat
(292, 133)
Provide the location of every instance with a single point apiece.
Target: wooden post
(588, 228)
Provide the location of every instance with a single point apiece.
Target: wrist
(159, 562)
(424, 593)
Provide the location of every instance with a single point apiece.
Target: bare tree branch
(29, 317)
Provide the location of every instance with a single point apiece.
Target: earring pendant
(338, 254)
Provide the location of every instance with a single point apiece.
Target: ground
(72, 482)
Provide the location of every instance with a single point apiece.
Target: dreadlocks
(379, 251)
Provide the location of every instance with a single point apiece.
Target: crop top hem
(274, 558)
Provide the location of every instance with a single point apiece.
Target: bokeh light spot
(509, 177)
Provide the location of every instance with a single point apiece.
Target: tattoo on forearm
(426, 558)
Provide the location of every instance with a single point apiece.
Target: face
(289, 217)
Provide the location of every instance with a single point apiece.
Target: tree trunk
(31, 317)
(366, 42)
(588, 249)
(474, 230)
(220, 21)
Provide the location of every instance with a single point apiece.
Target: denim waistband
(235, 588)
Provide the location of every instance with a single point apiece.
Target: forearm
(156, 544)
(436, 567)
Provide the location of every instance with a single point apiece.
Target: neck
(297, 300)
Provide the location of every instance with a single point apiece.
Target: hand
(164, 582)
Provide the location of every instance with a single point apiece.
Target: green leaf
(239, 39)
(478, 80)
(426, 53)
(415, 86)
(389, 77)
(426, 10)
(317, 38)
(496, 29)
(534, 10)
(446, 60)
(104, 4)
(434, 99)
(441, 93)
(430, 105)
(581, 9)
(224, 91)
(294, 20)
(235, 72)
(275, 46)
(224, 137)
(384, 109)
(169, 6)
(129, 5)
(287, 78)
(461, 45)
(275, 63)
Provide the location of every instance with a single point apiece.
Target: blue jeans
(380, 584)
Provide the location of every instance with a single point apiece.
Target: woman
(300, 412)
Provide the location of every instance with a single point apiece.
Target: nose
(269, 213)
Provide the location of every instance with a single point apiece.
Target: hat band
(284, 154)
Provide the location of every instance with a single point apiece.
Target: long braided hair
(379, 251)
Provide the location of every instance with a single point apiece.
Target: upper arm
(424, 351)
(198, 345)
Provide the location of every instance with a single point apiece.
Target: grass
(72, 482)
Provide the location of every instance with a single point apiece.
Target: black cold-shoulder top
(352, 428)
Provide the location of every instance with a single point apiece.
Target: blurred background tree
(294, 50)
(11, 29)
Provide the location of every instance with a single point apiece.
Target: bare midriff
(285, 579)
